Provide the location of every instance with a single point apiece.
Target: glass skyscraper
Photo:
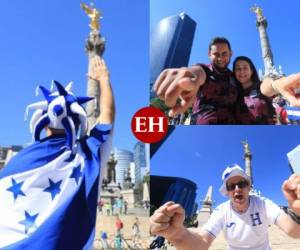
(170, 44)
(124, 158)
(139, 156)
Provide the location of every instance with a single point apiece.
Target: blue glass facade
(170, 44)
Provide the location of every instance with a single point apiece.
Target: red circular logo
(149, 125)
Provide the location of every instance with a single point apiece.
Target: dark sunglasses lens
(230, 187)
(240, 184)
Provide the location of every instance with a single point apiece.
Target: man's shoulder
(260, 201)
(209, 71)
(205, 66)
(223, 206)
(271, 209)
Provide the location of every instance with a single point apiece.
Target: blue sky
(233, 20)
(44, 40)
(201, 153)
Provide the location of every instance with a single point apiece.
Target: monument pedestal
(206, 209)
(132, 196)
(110, 192)
(204, 215)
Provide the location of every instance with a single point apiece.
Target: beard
(221, 69)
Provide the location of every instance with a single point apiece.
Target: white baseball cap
(229, 172)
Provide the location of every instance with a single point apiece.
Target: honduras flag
(48, 198)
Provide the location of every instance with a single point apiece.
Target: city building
(139, 155)
(170, 44)
(124, 158)
(6, 153)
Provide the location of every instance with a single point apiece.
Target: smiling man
(244, 218)
(209, 89)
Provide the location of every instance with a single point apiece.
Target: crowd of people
(118, 241)
(117, 206)
(115, 209)
(218, 95)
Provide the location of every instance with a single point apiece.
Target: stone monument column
(248, 158)
(262, 24)
(95, 45)
(206, 209)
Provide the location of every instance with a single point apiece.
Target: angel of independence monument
(248, 167)
(262, 24)
(95, 45)
(248, 159)
(270, 69)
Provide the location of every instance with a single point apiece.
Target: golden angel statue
(94, 15)
(257, 10)
(246, 147)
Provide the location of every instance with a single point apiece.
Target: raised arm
(182, 83)
(167, 221)
(99, 72)
(291, 191)
(286, 86)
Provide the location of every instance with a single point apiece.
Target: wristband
(292, 215)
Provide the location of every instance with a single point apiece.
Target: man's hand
(167, 221)
(183, 84)
(98, 70)
(291, 191)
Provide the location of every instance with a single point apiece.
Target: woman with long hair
(252, 106)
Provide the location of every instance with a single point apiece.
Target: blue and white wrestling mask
(61, 110)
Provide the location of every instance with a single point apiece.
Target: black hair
(254, 76)
(219, 39)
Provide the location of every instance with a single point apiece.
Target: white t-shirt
(248, 230)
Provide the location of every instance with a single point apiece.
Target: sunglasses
(240, 184)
